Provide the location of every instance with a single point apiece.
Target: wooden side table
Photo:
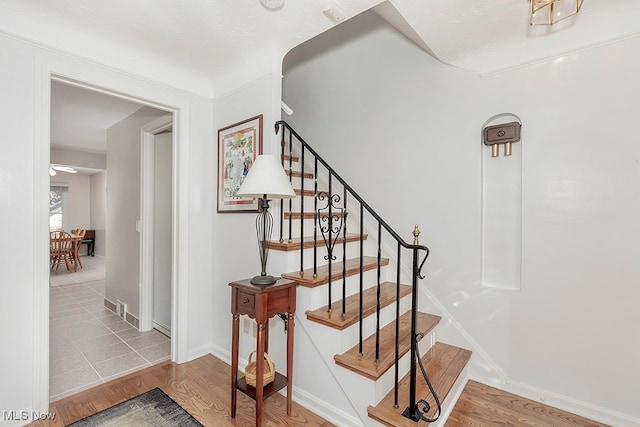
(261, 302)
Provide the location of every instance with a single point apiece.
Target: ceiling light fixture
(272, 4)
(548, 12)
(61, 168)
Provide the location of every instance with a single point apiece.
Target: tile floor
(90, 345)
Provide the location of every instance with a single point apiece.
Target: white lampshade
(266, 176)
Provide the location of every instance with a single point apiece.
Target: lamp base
(263, 280)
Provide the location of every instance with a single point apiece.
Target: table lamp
(265, 181)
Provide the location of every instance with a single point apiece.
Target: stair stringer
(358, 390)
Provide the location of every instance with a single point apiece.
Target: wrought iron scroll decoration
(331, 220)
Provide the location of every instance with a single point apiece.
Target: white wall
(76, 205)
(123, 199)
(404, 130)
(235, 255)
(64, 156)
(24, 180)
(18, 217)
(98, 208)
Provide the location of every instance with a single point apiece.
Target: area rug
(151, 409)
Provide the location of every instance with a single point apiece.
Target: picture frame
(238, 147)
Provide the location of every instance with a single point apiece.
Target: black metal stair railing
(330, 221)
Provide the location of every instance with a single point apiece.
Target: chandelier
(548, 12)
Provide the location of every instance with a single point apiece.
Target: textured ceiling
(210, 47)
(220, 43)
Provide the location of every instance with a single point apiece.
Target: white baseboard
(323, 409)
(221, 353)
(578, 407)
(199, 352)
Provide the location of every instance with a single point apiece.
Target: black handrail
(417, 265)
(395, 235)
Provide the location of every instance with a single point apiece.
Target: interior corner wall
(234, 245)
(404, 131)
(98, 207)
(123, 199)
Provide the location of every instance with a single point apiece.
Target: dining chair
(60, 249)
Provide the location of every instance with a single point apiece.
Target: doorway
(89, 344)
(156, 273)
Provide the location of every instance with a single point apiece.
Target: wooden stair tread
(334, 318)
(294, 243)
(305, 278)
(443, 364)
(310, 192)
(311, 215)
(307, 192)
(292, 157)
(299, 174)
(366, 365)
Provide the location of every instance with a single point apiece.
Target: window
(56, 206)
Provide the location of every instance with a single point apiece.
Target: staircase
(370, 292)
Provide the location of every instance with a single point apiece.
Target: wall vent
(121, 309)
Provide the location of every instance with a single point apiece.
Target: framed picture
(238, 147)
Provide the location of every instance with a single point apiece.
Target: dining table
(77, 241)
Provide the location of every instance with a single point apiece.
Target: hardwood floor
(200, 386)
(482, 405)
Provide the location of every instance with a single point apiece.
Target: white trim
(575, 406)
(147, 218)
(194, 88)
(180, 237)
(41, 179)
(58, 77)
(325, 410)
(45, 71)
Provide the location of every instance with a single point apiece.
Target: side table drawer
(247, 303)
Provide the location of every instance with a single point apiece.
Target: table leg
(235, 334)
(290, 326)
(76, 254)
(260, 372)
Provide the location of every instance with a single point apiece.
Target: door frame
(118, 84)
(147, 217)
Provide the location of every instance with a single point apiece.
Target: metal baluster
(290, 180)
(282, 143)
(315, 219)
(302, 210)
(412, 409)
(360, 353)
(330, 229)
(378, 295)
(396, 373)
(344, 253)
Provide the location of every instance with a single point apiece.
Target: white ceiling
(80, 117)
(213, 46)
